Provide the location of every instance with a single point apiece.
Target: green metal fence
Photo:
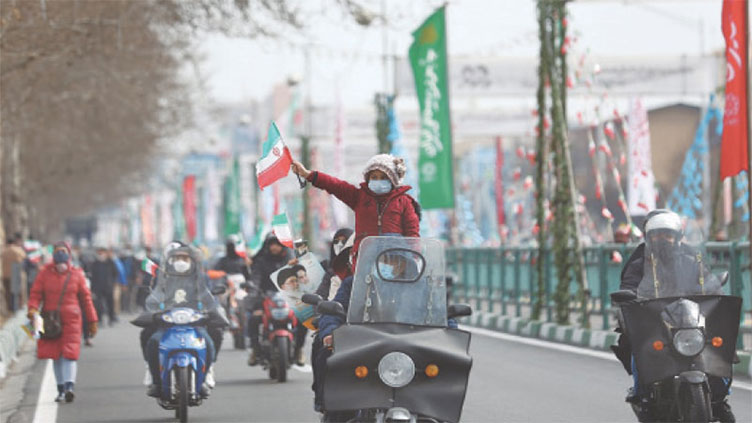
(504, 279)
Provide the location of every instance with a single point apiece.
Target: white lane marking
(303, 369)
(566, 348)
(46, 409)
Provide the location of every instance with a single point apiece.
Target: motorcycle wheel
(283, 352)
(696, 403)
(183, 378)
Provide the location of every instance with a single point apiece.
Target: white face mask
(338, 247)
(181, 266)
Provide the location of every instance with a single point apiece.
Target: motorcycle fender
(280, 333)
(693, 377)
(181, 359)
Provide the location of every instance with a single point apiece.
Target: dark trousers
(8, 296)
(319, 355)
(105, 304)
(300, 335)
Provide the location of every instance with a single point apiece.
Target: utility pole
(305, 148)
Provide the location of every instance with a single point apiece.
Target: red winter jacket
(46, 291)
(392, 212)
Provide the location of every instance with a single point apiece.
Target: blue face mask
(60, 257)
(380, 187)
(386, 271)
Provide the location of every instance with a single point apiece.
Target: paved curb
(12, 338)
(587, 338)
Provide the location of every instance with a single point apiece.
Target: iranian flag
(282, 230)
(149, 267)
(275, 161)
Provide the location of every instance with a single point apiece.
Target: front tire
(283, 354)
(183, 379)
(695, 403)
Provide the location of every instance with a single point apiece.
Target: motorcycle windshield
(399, 280)
(675, 270)
(184, 289)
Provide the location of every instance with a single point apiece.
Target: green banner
(428, 58)
(232, 200)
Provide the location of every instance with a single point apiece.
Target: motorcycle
(677, 343)
(276, 343)
(396, 359)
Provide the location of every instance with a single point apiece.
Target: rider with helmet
(181, 282)
(664, 266)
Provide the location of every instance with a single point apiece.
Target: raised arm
(344, 191)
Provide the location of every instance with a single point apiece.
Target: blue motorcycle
(182, 360)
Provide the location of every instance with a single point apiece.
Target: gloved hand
(30, 314)
(91, 329)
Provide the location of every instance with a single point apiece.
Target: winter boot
(253, 358)
(722, 412)
(69, 395)
(299, 358)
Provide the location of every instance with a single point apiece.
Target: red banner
(189, 206)
(734, 144)
(499, 185)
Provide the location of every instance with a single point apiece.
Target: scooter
(232, 303)
(182, 360)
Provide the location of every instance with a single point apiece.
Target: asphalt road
(510, 381)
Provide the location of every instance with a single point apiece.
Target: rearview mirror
(312, 299)
(623, 296)
(331, 308)
(218, 290)
(459, 310)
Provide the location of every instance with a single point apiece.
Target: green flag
(428, 58)
(232, 200)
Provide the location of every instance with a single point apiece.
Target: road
(511, 381)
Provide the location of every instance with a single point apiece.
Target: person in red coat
(381, 203)
(45, 292)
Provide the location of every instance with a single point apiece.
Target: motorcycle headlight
(689, 342)
(181, 317)
(280, 313)
(396, 369)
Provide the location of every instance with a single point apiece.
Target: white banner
(213, 199)
(641, 183)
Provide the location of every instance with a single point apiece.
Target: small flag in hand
(275, 161)
(281, 228)
(149, 267)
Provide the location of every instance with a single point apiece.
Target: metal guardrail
(504, 279)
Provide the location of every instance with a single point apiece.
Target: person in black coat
(272, 256)
(104, 273)
(232, 263)
(339, 240)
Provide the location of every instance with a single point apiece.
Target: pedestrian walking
(13, 258)
(61, 287)
(103, 276)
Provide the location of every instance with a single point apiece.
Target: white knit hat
(394, 167)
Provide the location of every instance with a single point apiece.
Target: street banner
(213, 198)
(499, 190)
(147, 217)
(275, 159)
(166, 220)
(428, 58)
(641, 183)
(177, 212)
(282, 230)
(232, 200)
(189, 206)
(734, 143)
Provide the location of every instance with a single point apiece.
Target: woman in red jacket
(381, 203)
(46, 290)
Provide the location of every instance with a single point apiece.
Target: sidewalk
(588, 338)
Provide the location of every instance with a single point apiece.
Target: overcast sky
(349, 57)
